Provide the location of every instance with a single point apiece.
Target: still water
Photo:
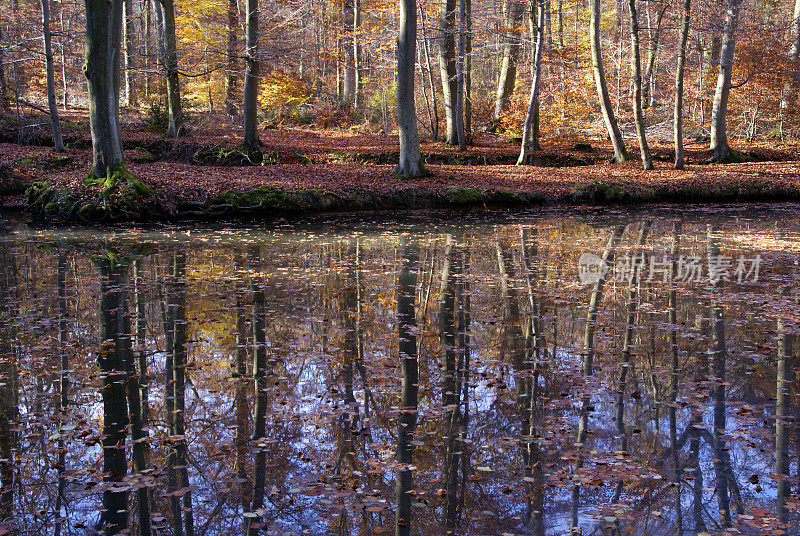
(600, 371)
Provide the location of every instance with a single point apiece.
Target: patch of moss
(45, 164)
(463, 196)
(603, 192)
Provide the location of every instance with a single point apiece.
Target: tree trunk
(677, 120)
(530, 141)
(170, 59)
(468, 71)
(179, 355)
(407, 328)
(627, 343)
(52, 107)
(620, 152)
(101, 68)
(348, 44)
(130, 47)
(588, 362)
(649, 82)
(64, 86)
(636, 75)
(784, 390)
(409, 165)
(111, 362)
(357, 55)
(460, 59)
(672, 320)
(426, 50)
(260, 381)
(232, 60)
(794, 63)
(719, 356)
(139, 433)
(719, 135)
(508, 68)
(63, 386)
(251, 140)
(447, 68)
(4, 106)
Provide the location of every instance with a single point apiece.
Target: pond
(604, 370)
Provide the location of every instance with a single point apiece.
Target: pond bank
(53, 187)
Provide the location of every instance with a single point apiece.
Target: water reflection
(429, 377)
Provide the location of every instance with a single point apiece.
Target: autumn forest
(417, 267)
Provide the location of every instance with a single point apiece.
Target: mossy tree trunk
(52, 106)
(677, 119)
(620, 152)
(719, 133)
(250, 105)
(512, 16)
(409, 165)
(636, 75)
(101, 68)
(530, 131)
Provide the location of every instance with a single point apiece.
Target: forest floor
(345, 170)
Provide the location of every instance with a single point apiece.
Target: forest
(361, 95)
(351, 268)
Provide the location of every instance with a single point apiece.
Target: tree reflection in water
(424, 377)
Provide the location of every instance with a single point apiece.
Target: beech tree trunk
(348, 44)
(620, 152)
(52, 106)
(460, 59)
(530, 140)
(170, 59)
(782, 420)
(251, 140)
(512, 12)
(231, 62)
(3, 88)
(794, 63)
(101, 68)
(719, 354)
(130, 52)
(672, 320)
(719, 135)
(649, 82)
(636, 75)
(426, 50)
(447, 69)
(409, 165)
(407, 327)
(677, 119)
(111, 362)
(588, 362)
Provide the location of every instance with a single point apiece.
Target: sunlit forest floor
(199, 166)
